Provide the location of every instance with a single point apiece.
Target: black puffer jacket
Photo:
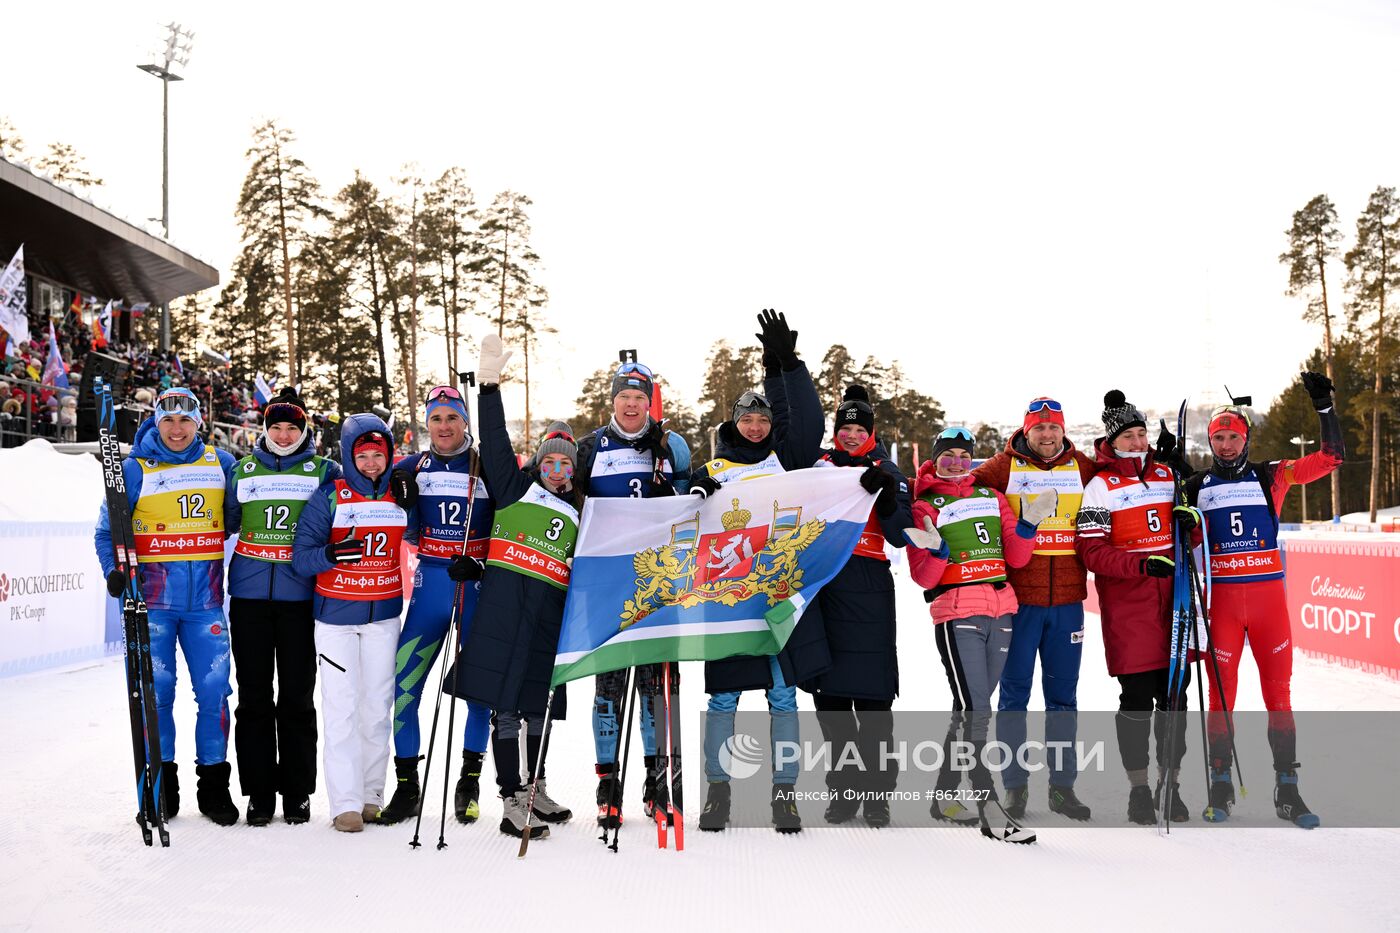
(508, 657)
(858, 610)
(796, 439)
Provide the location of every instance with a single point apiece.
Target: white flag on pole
(12, 316)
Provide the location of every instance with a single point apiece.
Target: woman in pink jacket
(965, 536)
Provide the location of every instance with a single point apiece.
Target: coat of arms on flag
(727, 566)
(681, 579)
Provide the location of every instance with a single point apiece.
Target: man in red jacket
(1125, 536)
(1050, 593)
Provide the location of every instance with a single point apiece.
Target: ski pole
(466, 379)
(1219, 687)
(620, 774)
(535, 773)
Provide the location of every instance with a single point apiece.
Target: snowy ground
(71, 858)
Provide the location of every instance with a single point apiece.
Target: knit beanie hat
(955, 438)
(373, 439)
(631, 376)
(1119, 414)
(285, 406)
(855, 409)
(559, 439)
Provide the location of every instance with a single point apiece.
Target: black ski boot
(212, 793)
(170, 788)
(843, 805)
(407, 797)
(1175, 806)
(465, 804)
(1064, 801)
(261, 808)
(785, 816)
(1141, 808)
(655, 778)
(877, 812)
(609, 788)
(296, 808)
(715, 816)
(1288, 803)
(1222, 797)
(1016, 800)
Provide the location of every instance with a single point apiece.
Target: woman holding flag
(508, 660)
(854, 697)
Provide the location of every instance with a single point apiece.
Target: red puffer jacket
(1136, 609)
(1047, 580)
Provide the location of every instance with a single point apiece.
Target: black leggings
(1144, 698)
(869, 725)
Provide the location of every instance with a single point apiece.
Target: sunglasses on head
(437, 392)
(961, 434)
(1043, 403)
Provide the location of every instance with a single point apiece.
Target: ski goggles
(177, 401)
(626, 368)
(1042, 404)
(956, 434)
(447, 392)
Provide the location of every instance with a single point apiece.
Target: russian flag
(55, 373)
(179, 367)
(262, 390)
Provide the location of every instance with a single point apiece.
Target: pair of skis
(1190, 630)
(667, 809)
(136, 632)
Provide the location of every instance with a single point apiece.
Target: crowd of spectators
(28, 408)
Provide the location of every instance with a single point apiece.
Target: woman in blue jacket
(349, 539)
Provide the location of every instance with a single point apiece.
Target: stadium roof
(76, 243)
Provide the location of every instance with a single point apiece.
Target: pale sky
(1011, 199)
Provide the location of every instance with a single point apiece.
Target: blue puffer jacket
(314, 532)
(179, 584)
(266, 579)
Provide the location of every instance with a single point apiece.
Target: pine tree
(1312, 243)
(336, 335)
(507, 263)
(729, 373)
(364, 230)
(450, 237)
(64, 165)
(594, 403)
(277, 207)
(987, 442)
(1373, 265)
(837, 369)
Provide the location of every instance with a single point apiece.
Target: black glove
(704, 487)
(346, 551)
(404, 487)
(1319, 389)
(654, 440)
(116, 583)
(1188, 515)
(772, 366)
(1166, 444)
(874, 479)
(661, 486)
(778, 338)
(1157, 566)
(464, 568)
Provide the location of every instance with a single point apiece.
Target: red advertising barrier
(1344, 598)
